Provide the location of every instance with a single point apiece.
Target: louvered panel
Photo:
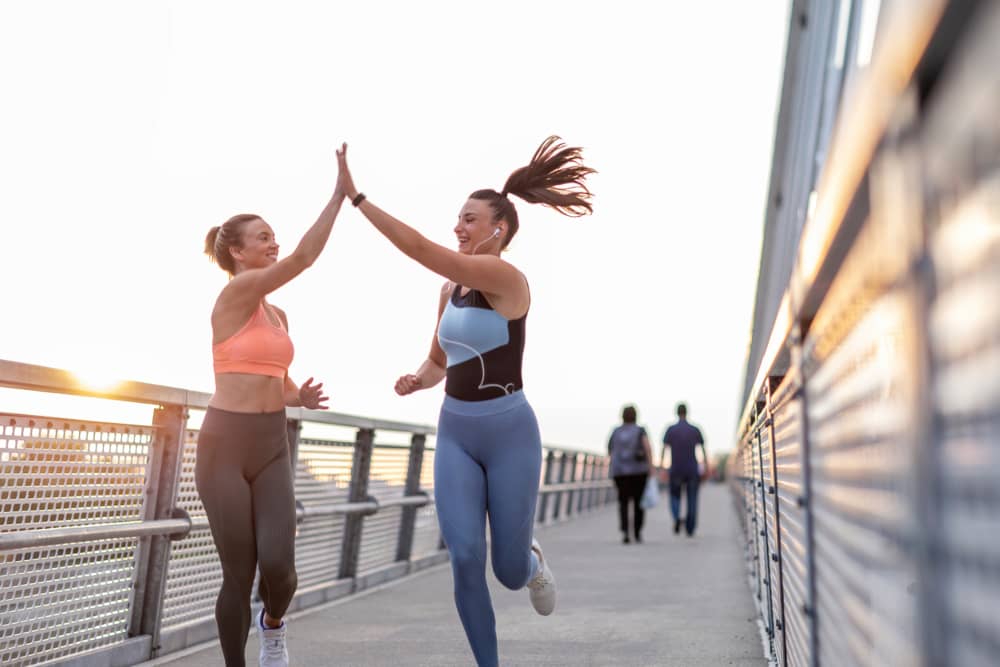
(322, 477)
(860, 404)
(380, 532)
(965, 339)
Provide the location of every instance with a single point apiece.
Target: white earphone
(496, 235)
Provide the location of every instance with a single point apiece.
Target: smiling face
(476, 228)
(260, 249)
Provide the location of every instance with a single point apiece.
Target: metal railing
(867, 466)
(105, 551)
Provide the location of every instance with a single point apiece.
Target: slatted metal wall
(859, 393)
(878, 407)
(963, 178)
(322, 477)
(380, 531)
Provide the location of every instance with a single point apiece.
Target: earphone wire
(495, 235)
(482, 365)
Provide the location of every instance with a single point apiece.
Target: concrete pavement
(671, 600)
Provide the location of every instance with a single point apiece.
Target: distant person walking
(683, 439)
(243, 471)
(631, 460)
(489, 450)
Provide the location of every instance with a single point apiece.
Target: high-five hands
(344, 180)
(339, 190)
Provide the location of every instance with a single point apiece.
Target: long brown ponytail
(554, 177)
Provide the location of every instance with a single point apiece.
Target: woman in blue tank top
(489, 453)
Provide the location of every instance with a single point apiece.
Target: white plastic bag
(651, 494)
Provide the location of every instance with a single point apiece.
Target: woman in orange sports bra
(243, 472)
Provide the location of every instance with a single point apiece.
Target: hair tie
(503, 194)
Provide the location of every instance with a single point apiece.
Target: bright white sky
(128, 129)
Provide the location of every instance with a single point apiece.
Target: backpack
(627, 446)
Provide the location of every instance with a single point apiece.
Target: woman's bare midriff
(244, 392)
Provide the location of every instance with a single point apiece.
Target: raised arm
(250, 286)
(434, 368)
(486, 273)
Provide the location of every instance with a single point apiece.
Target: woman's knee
(468, 561)
(238, 578)
(277, 566)
(512, 572)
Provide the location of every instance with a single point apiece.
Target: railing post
(153, 553)
(763, 530)
(408, 517)
(360, 467)
(585, 493)
(571, 493)
(798, 363)
(776, 557)
(294, 427)
(602, 470)
(562, 478)
(544, 505)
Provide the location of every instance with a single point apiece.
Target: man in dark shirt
(683, 438)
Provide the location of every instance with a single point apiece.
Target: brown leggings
(244, 478)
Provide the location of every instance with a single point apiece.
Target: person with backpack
(631, 461)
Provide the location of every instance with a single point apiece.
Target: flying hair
(555, 177)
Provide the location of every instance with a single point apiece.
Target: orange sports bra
(258, 348)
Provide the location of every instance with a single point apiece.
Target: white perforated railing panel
(58, 601)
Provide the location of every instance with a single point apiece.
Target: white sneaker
(273, 652)
(542, 587)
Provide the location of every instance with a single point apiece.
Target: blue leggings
(488, 461)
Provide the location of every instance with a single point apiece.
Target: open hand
(345, 184)
(407, 384)
(311, 396)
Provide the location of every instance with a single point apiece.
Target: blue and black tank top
(484, 349)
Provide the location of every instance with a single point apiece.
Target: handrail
(576, 486)
(45, 537)
(18, 375)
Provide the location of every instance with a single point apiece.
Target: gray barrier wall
(868, 452)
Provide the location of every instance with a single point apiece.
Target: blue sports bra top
(484, 349)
